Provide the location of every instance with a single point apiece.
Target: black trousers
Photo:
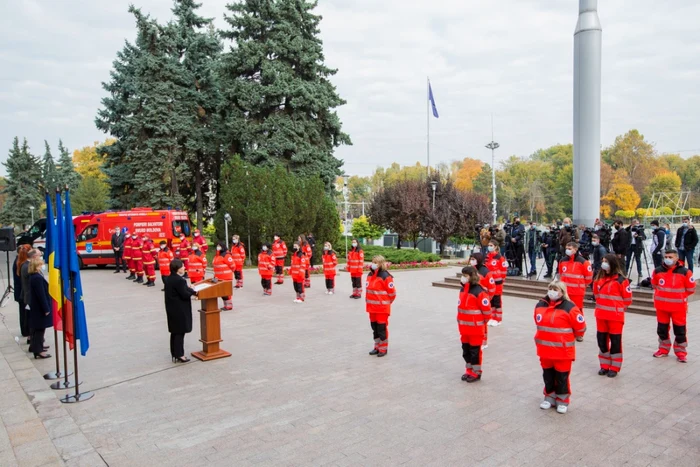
(658, 259)
(279, 270)
(330, 283)
(23, 319)
(378, 330)
(119, 260)
(298, 287)
(177, 345)
(356, 282)
(518, 253)
(266, 283)
(636, 252)
(37, 344)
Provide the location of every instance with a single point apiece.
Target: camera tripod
(634, 259)
(9, 288)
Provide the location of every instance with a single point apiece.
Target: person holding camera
(532, 241)
(658, 243)
(686, 241)
(621, 240)
(637, 238)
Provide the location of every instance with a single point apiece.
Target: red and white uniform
(196, 267)
(380, 294)
(165, 256)
(356, 261)
(223, 271)
(473, 312)
(488, 283)
(559, 323)
(266, 268)
(238, 254)
(129, 255)
(279, 251)
(299, 264)
(498, 266)
(197, 239)
(576, 272)
(150, 252)
(672, 287)
(612, 297)
(330, 261)
(137, 256)
(183, 251)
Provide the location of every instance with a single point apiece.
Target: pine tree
(23, 190)
(67, 176)
(49, 176)
(275, 76)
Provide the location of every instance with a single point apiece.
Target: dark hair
(671, 252)
(595, 236)
(303, 240)
(175, 265)
(479, 257)
(615, 267)
(655, 222)
(163, 242)
(472, 273)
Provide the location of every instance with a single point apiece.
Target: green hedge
(404, 255)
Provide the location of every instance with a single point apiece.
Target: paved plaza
(300, 388)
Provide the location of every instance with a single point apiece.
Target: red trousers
(138, 264)
(609, 337)
(132, 266)
(680, 342)
(578, 301)
(555, 373)
(150, 271)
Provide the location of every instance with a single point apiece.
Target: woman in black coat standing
(40, 314)
(178, 307)
(21, 258)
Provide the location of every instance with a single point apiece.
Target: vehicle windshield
(88, 233)
(181, 226)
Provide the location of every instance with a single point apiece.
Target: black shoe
(471, 379)
(603, 372)
(40, 356)
(381, 354)
(139, 280)
(373, 352)
(465, 377)
(117, 271)
(547, 276)
(130, 277)
(162, 290)
(151, 284)
(612, 373)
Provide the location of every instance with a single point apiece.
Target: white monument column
(587, 71)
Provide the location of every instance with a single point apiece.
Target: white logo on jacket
(538, 317)
(485, 302)
(580, 318)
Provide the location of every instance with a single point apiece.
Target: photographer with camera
(549, 248)
(517, 239)
(604, 233)
(637, 238)
(567, 234)
(620, 241)
(658, 243)
(532, 242)
(499, 235)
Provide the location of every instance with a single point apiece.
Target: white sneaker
(326, 292)
(296, 300)
(490, 323)
(330, 293)
(484, 346)
(496, 323)
(562, 408)
(545, 405)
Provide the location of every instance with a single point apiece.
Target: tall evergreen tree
(275, 75)
(49, 176)
(67, 176)
(23, 189)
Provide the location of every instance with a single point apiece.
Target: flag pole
(427, 115)
(66, 383)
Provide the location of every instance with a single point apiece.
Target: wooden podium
(209, 320)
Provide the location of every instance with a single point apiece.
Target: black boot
(603, 372)
(373, 352)
(131, 277)
(139, 280)
(612, 373)
(151, 284)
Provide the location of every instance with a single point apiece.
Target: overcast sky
(512, 58)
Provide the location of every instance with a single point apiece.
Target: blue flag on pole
(432, 101)
(80, 321)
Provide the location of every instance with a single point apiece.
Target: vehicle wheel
(81, 265)
(101, 266)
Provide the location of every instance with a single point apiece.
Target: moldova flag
(76, 294)
(51, 254)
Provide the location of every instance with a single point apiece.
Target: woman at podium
(178, 307)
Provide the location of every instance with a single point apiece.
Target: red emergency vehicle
(94, 231)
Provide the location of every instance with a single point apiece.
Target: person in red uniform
(576, 272)
(165, 256)
(673, 283)
(356, 261)
(299, 264)
(330, 261)
(266, 267)
(196, 264)
(279, 251)
(183, 251)
(473, 311)
(488, 283)
(199, 240)
(613, 295)
(380, 294)
(238, 254)
(308, 251)
(129, 255)
(150, 252)
(137, 256)
(497, 264)
(223, 270)
(559, 322)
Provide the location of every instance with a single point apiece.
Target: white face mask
(374, 266)
(326, 248)
(296, 247)
(116, 230)
(605, 267)
(218, 248)
(162, 247)
(685, 224)
(595, 243)
(354, 244)
(668, 261)
(491, 248)
(235, 242)
(264, 248)
(472, 262)
(196, 234)
(569, 252)
(554, 294)
(464, 279)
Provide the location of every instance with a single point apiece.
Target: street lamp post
(345, 221)
(493, 146)
(31, 208)
(227, 219)
(433, 184)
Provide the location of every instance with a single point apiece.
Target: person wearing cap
(199, 240)
(150, 253)
(223, 270)
(129, 254)
(196, 264)
(279, 251)
(165, 257)
(266, 267)
(137, 256)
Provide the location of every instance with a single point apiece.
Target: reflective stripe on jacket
(279, 249)
(223, 266)
(266, 264)
(498, 266)
(487, 282)
(330, 261)
(184, 249)
(473, 310)
(238, 254)
(128, 242)
(576, 273)
(380, 292)
(136, 252)
(299, 262)
(196, 265)
(558, 325)
(672, 287)
(612, 297)
(356, 261)
(149, 252)
(164, 259)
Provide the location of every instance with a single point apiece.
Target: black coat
(24, 280)
(621, 241)
(17, 280)
(117, 240)
(691, 238)
(178, 304)
(40, 316)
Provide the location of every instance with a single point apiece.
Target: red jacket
(238, 254)
(150, 252)
(183, 249)
(473, 310)
(308, 252)
(199, 240)
(612, 297)
(356, 261)
(128, 242)
(672, 287)
(487, 282)
(330, 261)
(164, 259)
(223, 266)
(576, 273)
(196, 267)
(498, 266)
(136, 252)
(279, 249)
(266, 264)
(380, 292)
(558, 325)
(299, 262)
